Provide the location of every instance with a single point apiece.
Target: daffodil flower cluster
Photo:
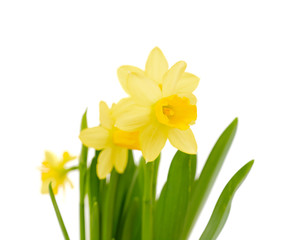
(160, 106)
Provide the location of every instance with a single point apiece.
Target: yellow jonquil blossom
(161, 105)
(113, 142)
(53, 170)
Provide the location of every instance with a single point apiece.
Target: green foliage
(207, 178)
(125, 207)
(57, 211)
(222, 208)
(82, 173)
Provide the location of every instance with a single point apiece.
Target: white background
(59, 57)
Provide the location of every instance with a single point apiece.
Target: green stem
(108, 207)
(59, 217)
(82, 174)
(148, 202)
(72, 168)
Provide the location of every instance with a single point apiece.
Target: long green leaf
(210, 171)
(82, 174)
(58, 214)
(122, 189)
(108, 208)
(93, 197)
(148, 202)
(132, 214)
(135, 193)
(95, 223)
(173, 202)
(222, 208)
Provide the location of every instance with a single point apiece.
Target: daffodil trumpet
(121, 191)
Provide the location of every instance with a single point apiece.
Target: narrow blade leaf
(222, 208)
(207, 178)
(172, 204)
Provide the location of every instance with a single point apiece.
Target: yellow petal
(187, 83)
(125, 139)
(104, 163)
(192, 98)
(105, 116)
(156, 65)
(44, 187)
(119, 158)
(134, 118)
(153, 138)
(184, 140)
(143, 90)
(122, 107)
(50, 158)
(96, 137)
(175, 112)
(67, 157)
(172, 77)
(123, 73)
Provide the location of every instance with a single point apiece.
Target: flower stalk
(148, 202)
(82, 174)
(57, 211)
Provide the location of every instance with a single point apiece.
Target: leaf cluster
(125, 207)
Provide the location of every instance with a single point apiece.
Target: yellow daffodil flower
(53, 170)
(161, 105)
(113, 142)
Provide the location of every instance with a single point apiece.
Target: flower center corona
(126, 139)
(175, 111)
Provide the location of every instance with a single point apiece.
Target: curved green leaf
(173, 202)
(210, 171)
(222, 208)
(123, 186)
(93, 197)
(82, 174)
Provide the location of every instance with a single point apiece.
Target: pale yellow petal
(134, 118)
(192, 98)
(122, 107)
(156, 65)
(184, 140)
(104, 163)
(143, 90)
(187, 83)
(123, 73)
(67, 157)
(44, 187)
(105, 116)
(172, 77)
(153, 138)
(50, 158)
(96, 137)
(119, 158)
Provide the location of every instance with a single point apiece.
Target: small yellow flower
(161, 105)
(53, 170)
(113, 142)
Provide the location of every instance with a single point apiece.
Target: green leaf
(122, 189)
(108, 208)
(82, 176)
(222, 208)
(172, 204)
(93, 196)
(135, 192)
(58, 214)
(95, 223)
(210, 171)
(131, 218)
